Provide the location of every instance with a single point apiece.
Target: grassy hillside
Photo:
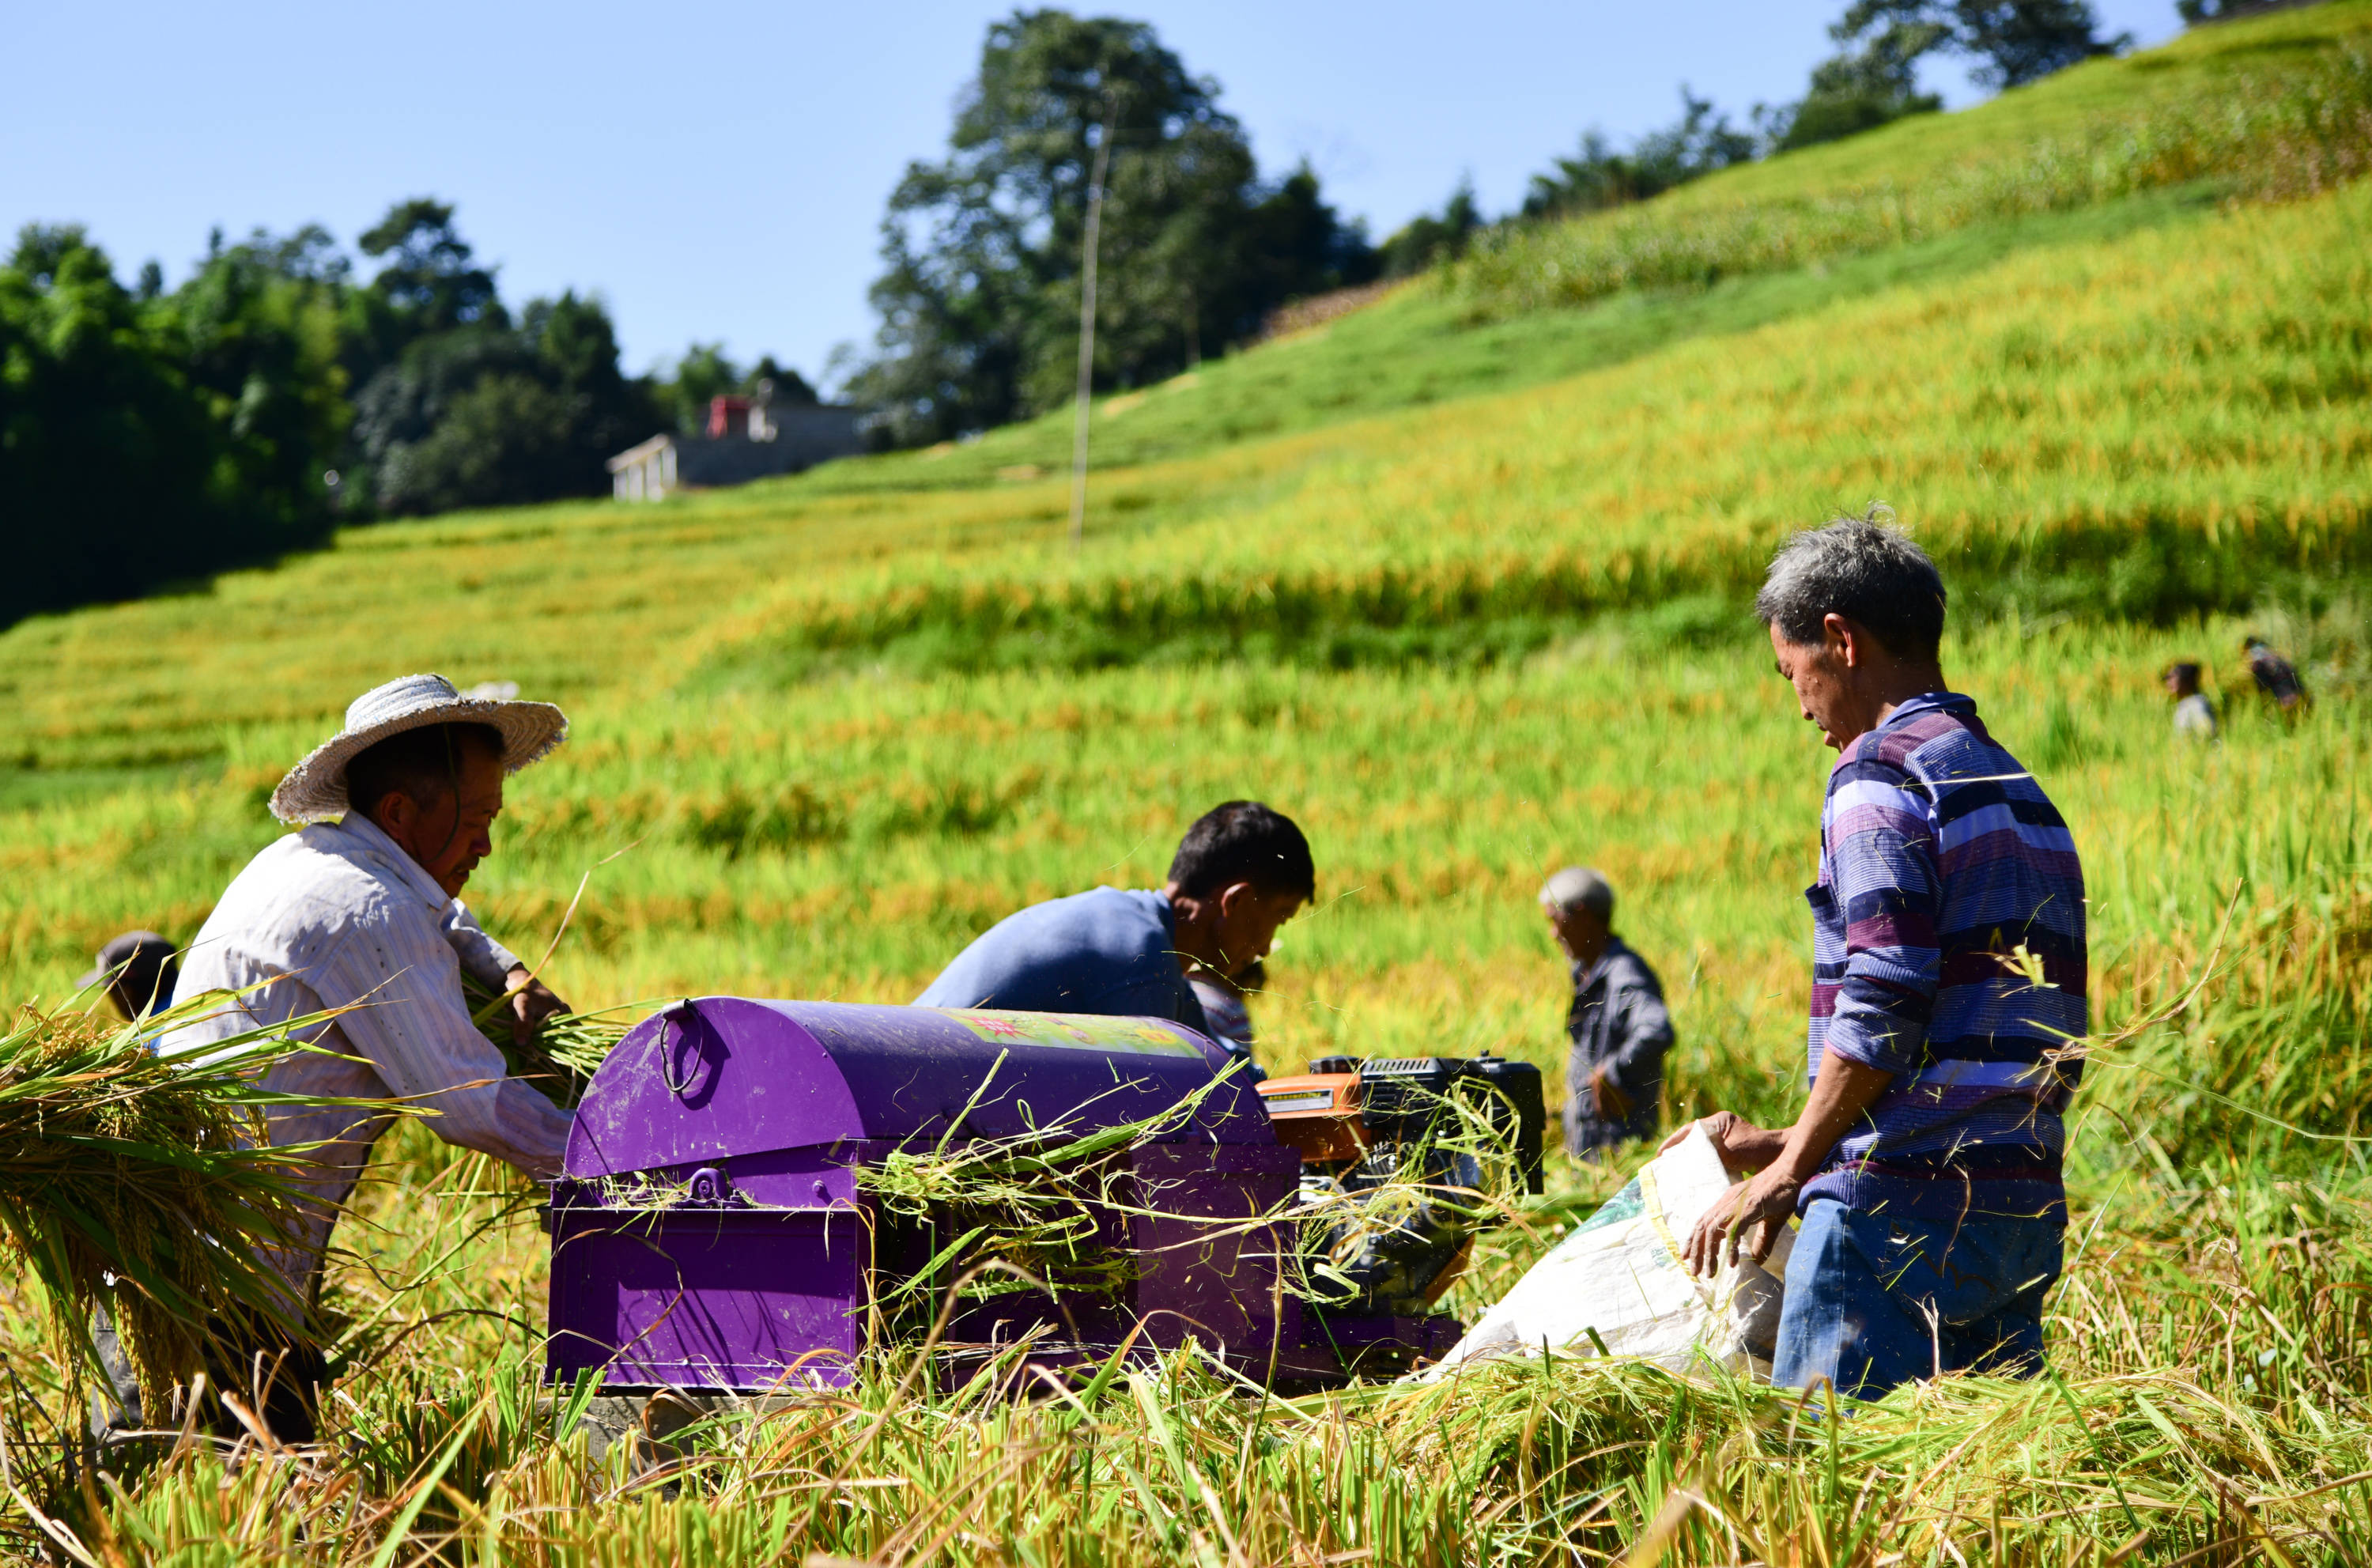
(1457, 581)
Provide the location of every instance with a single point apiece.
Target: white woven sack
(1622, 1274)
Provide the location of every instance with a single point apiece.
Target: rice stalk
(564, 1050)
(1023, 1213)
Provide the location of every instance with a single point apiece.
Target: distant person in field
(2194, 715)
(1948, 975)
(1617, 1024)
(2276, 677)
(1241, 871)
(362, 909)
(139, 972)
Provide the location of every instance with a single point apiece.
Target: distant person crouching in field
(2276, 677)
(139, 972)
(1241, 871)
(362, 910)
(2194, 715)
(1949, 973)
(1617, 1024)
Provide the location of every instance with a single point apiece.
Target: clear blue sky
(718, 172)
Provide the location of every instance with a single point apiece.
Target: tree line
(149, 435)
(1871, 80)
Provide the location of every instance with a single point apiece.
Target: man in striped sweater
(1948, 987)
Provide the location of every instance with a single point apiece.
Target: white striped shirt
(336, 916)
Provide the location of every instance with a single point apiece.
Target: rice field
(825, 730)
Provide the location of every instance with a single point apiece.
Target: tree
(256, 331)
(1296, 244)
(485, 415)
(979, 298)
(701, 375)
(1860, 89)
(2018, 41)
(457, 405)
(577, 351)
(121, 472)
(1425, 240)
(790, 388)
(1701, 141)
(429, 284)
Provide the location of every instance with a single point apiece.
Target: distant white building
(747, 438)
(646, 472)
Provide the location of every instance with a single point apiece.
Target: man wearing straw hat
(361, 911)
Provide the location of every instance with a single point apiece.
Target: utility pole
(1088, 321)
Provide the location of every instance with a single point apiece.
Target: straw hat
(315, 789)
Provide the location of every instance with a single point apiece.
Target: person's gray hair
(1580, 887)
(1860, 568)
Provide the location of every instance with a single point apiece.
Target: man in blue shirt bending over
(1242, 871)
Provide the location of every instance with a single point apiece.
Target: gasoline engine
(1403, 1159)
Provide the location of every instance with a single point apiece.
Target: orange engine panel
(1317, 1114)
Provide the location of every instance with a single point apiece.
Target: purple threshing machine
(711, 1232)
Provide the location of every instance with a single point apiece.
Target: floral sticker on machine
(1072, 1030)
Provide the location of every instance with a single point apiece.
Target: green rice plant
(566, 1050)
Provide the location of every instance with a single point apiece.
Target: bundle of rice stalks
(141, 1182)
(1019, 1213)
(565, 1052)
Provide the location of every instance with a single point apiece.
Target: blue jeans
(1861, 1287)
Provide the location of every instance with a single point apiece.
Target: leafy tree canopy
(1425, 240)
(2018, 40)
(1872, 82)
(429, 279)
(979, 300)
(1702, 141)
(151, 439)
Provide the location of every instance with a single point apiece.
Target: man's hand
(1607, 1094)
(531, 1002)
(1742, 1145)
(1751, 1213)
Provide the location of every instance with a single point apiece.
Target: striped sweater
(1949, 950)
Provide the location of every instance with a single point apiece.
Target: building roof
(636, 454)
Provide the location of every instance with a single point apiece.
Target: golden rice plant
(141, 1183)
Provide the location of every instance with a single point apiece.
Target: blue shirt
(1102, 951)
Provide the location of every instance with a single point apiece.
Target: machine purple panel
(710, 1231)
(724, 1076)
(716, 1299)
